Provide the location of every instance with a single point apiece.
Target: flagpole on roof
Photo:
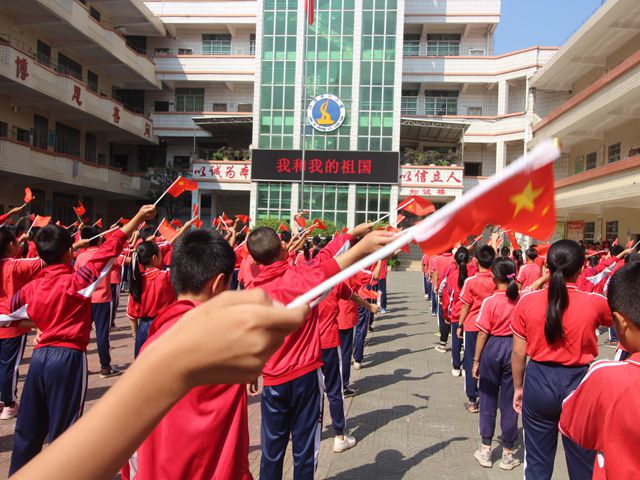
(303, 135)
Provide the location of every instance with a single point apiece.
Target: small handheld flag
(178, 187)
(417, 205)
(283, 228)
(244, 219)
(28, 195)
(80, 210)
(166, 230)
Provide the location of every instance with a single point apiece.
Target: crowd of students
(73, 282)
(501, 308)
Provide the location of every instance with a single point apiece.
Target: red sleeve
(465, 295)
(4, 217)
(483, 322)
(520, 277)
(332, 248)
(518, 325)
(344, 291)
(132, 309)
(164, 248)
(604, 312)
(86, 278)
(15, 308)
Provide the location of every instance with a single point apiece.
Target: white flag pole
(541, 155)
(103, 234)
(165, 192)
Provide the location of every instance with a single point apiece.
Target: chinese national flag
(40, 221)
(417, 205)
(319, 224)
(543, 249)
(176, 223)
(301, 221)
(241, 250)
(28, 195)
(283, 228)
(166, 230)
(244, 219)
(124, 221)
(513, 240)
(400, 218)
(521, 199)
(197, 222)
(80, 210)
(181, 185)
(630, 244)
(98, 223)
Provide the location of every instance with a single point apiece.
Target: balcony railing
(237, 50)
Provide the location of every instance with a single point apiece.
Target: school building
(588, 95)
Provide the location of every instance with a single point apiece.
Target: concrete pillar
(295, 199)
(351, 206)
(393, 201)
(503, 97)
(253, 202)
(501, 156)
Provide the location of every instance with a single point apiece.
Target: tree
(161, 179)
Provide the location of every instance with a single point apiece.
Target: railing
(247, 49)
(411, 48)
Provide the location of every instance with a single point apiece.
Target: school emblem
(326, 112)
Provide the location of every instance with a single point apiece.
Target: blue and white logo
(326, 112)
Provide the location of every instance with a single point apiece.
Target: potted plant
(217, 155)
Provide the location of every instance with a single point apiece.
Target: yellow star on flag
(526, 198)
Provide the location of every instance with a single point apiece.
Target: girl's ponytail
(462, 259)
(142, 256)
(504, 271)
(565, 259)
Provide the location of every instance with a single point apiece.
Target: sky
(547, 23)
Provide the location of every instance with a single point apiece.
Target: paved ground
(408, 416)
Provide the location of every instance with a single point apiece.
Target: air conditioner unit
(479, 52)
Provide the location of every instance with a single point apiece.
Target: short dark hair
(486, 255)
(285, 236)
(90, 232)
(531, 253)
(505, 252)
(6, 238)
(198, 257)
(147, 231)
(52, 242)
(264, 245)
(624, 292)
(616, 250)
(317, 241)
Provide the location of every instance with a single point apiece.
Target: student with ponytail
(556, 328)
(495, 340)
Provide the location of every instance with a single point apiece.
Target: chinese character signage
(238, 172)
(22, 68)
(325, 166)
(431, 181)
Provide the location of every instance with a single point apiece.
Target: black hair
(517, 257)
(486, 255)
(316, 241)
(306, 250)
(593, 260)
(90, 232)
(462, 258)
(6, 238)
(616, 250)
(147, 231)
(52, 242)
(632, 258)
(565, 259)
(264, 245)
(285, 236)
(531, 253)
(240, 238)
(505, 252)
(504, 271)
(624, 292)
(142, 256)
(198, 257)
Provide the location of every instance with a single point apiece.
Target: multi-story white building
(588, 96)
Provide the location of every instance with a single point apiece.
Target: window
(137, 43)
(219, 107)
(161, 106)
(4, 130)
(274, 200)
(185, 51)
(591, 161)
(441, 102)
(472, 169)
(66, 66)
(443, 44)
(589, 232)
(181, 161)
(327, 202)
(94, 13)
(62, 207)
(474, 111)
(579, 164)
(411, 45)
(372, 202)
(162, 51)
(611, 231)
(40, 131)
(92, 81)
(67, 140)
(44, 54)
(479, 52)
(132, 100)
(245, 107)
(252, 44)
(614, 152)
(121, 161)
(90, 148)
(189, 99)
(22, 135)
(409, 102)
(216, 44)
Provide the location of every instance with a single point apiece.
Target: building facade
(588, 96)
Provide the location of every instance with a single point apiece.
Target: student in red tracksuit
(150, 291)
(602, 414)
(292, 397)
(530, 271)
(556, 328)
(210, 423)
(492, 365)
(58, 302)
(101, 303)
(473, 293)
(442, 264)
(15, 273)
(328, 311)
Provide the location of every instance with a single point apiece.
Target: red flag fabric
(80, 210)
(197, 222)
(40, 221)
(227, 220)
(177, 223)
(309, 10)
(513, 240)
(417, 205)
(180, 186)
(615, 242)
(166, 230)
(319, 224)
(630, 244)
(400, 218)
(195, 210)
(28, 195)
(244, 219)
(543, 248)
(301, 221)
(98, 223)
(522, 200)
(32, 217)
(406, 248)
(124, 221)
(344, 230)
(283, 228)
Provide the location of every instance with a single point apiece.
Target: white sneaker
(343, 445)
(483, 456)
(357, 365)
(9, 412)
(509, 461)
(441, 348)
(456, 372)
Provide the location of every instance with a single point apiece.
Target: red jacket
(58, 300)
(328, 315)
(157, 293)
(15, 273)
(205, 435)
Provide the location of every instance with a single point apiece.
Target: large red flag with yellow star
(522, 200)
